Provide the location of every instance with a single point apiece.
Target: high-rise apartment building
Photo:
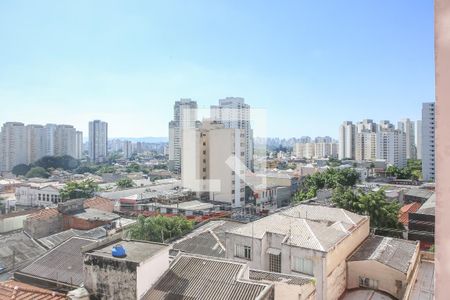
(428, 141)
(391, 144)
(13, 145)
(407, 126)
(79, 145)
(36, 142)
(419, 139)
(65, 140)
(50, 131)
(316, 150)
(347, 136)
(98, 141)
(233, 112)
(366, 140)
(209, 165)
(184, 117)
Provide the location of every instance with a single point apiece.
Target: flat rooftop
(137, 251)
(92, 214)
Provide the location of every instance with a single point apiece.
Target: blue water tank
(118, 251)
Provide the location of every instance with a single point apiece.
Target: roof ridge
(313, 234)
(348, 217)
(7, 284)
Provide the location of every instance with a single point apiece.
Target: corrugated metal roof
(54, 240)
(63, 263)
(392, 252)
(207, 279)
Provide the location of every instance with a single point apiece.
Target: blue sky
(310, 64)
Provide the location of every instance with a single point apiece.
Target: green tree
(82, 189)
(125, 183)
(383, 214)
(160, 228)
(133, 167)
(21, 169)
(65, 162)
(329, 179)
(37, 172)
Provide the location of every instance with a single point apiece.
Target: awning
(273, 251)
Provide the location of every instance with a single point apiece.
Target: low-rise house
(197, 278)
(417, 195)
(16, 250)
(110, 277)
(383, 263)
(60, 268)
(305, 239)
(421, 224)
(13, 220)
(405, 210)
(79, 214)
(39, 194)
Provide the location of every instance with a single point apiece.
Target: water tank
(118, 251)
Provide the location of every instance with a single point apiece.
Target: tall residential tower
(98, 141)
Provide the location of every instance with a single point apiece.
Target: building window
(302, 265)
(275, 263)
(242, 251)
(368, 283)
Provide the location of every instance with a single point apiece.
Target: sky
(309, 64)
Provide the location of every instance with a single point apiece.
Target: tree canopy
(37, 172)
(125, 183)
(413, 170)
(383, 214)
(82, 189)
(329, 179)
(21, 169)
(160, 228)
(65, 162)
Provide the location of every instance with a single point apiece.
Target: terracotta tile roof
(12, 289)
(44, 213)
(403, 216)
(99, 203)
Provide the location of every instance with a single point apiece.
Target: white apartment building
(206, 163)
(37, 194)
(305, 240)
(428, 141)
(98, 141)
(419, 139)
(13, 145)
(184, 116)
(50, 132)
(36, 142)
(407, 126)
(233, 112)
(365, 145)
(316, 150)
(79, 145)
(347, 136)
(65, 140)
(391, 144)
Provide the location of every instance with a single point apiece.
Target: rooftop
(92, 214)
(17, 290)
(208, 240)
(308, 226)
(420, 193)
(137, 251)
(190, 278)
(17, 249)
(188, 205)
(428, 208)
(63, 264)
(278, 277)
(392, 252)
(54, 240)
(99, 203)
(405, 210)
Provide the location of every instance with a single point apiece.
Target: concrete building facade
(347, 135)
(408, 127)
(98, 141)
(13, 145)
(428, 141)
(184, 117)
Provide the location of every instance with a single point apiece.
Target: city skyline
(82, 67)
